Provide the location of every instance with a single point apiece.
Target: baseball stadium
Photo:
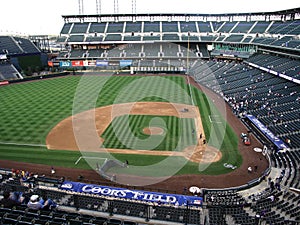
(154, 118)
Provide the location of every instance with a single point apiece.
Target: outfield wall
(32, 78)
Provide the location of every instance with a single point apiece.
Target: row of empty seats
(281, 41)
(154, 50)
(10, 45)
(280, 64)
(78, 208)
(270, 98)
(8, 71)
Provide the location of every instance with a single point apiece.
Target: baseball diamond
(190, 120)
(150, 118)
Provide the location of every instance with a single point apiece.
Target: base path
(84, 130)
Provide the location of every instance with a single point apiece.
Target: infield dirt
(91, 124)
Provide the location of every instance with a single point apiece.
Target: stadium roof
(44, 17)
(281, 12)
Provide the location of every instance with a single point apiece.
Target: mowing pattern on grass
(177, 135)
(30, 110)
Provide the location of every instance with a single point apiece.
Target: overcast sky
(45, 17)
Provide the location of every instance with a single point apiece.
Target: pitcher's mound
(153, 131)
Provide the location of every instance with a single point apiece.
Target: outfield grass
(30, 110)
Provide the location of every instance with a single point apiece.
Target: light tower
(133, 5)
(116, 6)
(98, 6)
(80, 6)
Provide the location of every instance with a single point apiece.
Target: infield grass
(177, 133)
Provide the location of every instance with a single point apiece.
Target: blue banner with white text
(145, 196)
(101, 63)
(275, 140)
(65, 64)
(124, 63)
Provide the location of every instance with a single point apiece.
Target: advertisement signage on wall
(65, 64)
(275, 140)
(124, 63)
(4, 83)
(56, 64)
(101, 63)
(91, 63)
(50, 63)
(77, 63)
(154, 197)
(113, 63)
